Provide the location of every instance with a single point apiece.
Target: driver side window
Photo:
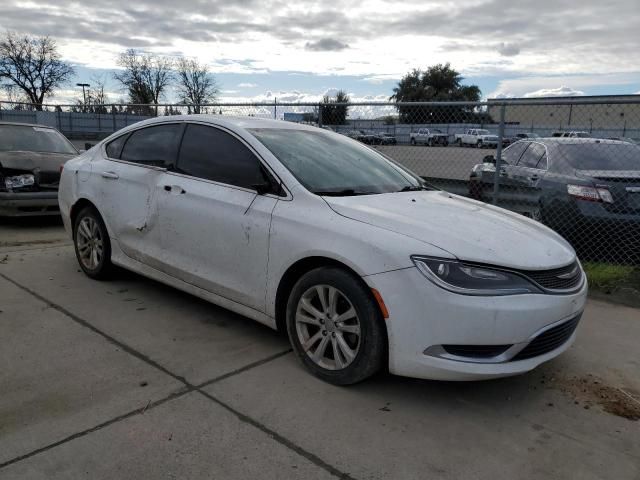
(212, 154)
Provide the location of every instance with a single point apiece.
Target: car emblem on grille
(570, 274)
(633, 189)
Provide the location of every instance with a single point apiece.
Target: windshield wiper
(348, 192)
(414, 188)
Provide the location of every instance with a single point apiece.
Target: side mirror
(489, 159)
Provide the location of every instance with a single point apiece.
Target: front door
(215, 227)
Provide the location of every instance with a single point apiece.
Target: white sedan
(356, 258)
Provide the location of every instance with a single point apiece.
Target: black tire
(430, 143)
(445, 143)
(372, 346)
(103, 268)
(479, 144)
(459, 141)
(413, 142)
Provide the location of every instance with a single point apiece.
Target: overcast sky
(299, 50)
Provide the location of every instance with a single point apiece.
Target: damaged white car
(356, 258)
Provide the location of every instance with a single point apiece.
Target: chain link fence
(571, 164)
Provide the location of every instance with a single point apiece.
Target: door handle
(174, 188)
(111, 175)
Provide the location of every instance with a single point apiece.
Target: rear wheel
(413, 141)
(92, 245)
(479, 144)
(335, 326)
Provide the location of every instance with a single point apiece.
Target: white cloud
(521, 86)
(562, 91)
(247, 85)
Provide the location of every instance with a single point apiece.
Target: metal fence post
(496, 177)
(319, 115)
(275, 109)
(0, 110)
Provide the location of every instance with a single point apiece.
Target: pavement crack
(188, 387)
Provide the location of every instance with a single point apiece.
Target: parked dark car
(368, 137)
(588, 190)
(30, 161)
(387, 139)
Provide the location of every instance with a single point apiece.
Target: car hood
(467, 229)
(30, 161)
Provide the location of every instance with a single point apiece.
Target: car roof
(577, 140)
(19, 124)
(230, 121)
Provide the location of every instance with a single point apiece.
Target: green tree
(438, 83)
(334, 110)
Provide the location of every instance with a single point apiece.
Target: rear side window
(213, 154)
(155, 146)
(512, 154)
(114, 148)
(532, 156)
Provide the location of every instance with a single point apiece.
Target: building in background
(617, 114)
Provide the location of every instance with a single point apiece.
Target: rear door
(125, 177)
(215, 227)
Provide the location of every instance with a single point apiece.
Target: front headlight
(18, 181)
(467, 279)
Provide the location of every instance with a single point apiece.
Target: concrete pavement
(132, 379)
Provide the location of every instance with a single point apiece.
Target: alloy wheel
(328, 327)
(90, 243)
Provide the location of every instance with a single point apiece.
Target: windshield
(483, 132)
(601, 156)
(328, 164)
(33, 139)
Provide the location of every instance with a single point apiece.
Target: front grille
(475, 351)
(48, 178)
(563, 278)
(549, 340)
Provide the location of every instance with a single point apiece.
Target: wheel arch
(294, 273)
(77, 207)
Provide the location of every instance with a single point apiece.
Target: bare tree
(33, 64)
(196, 86)
(145, 76)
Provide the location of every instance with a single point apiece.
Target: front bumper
(14, 204)
(424, 317)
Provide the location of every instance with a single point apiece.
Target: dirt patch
(590, 390)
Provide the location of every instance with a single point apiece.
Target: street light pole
(84, 95)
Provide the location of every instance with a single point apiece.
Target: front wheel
(335, 326)
(92, 245)
(479, 144)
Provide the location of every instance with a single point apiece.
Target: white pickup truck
(429, 136)
(476, 137)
